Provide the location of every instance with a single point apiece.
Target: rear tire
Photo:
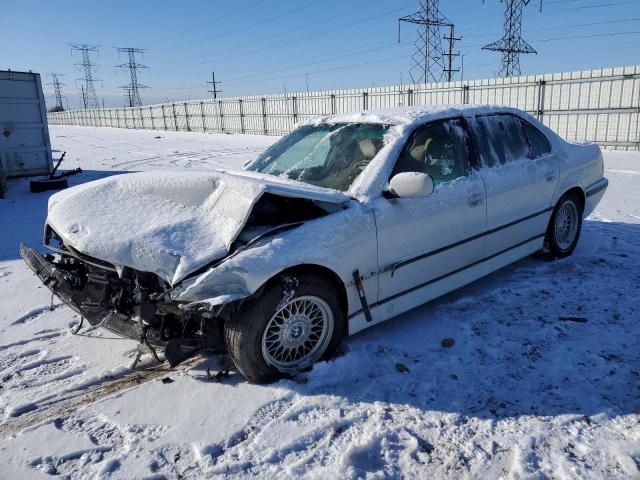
(44, 185)
(564, 227)
(295, 321)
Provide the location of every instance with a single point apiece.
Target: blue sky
(265, 46)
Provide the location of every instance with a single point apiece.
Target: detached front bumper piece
(84, 299)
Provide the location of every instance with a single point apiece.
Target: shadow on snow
(22, 213)
(518, 348)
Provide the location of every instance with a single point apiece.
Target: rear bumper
(597, 187)
(594, 194)
(61, 284)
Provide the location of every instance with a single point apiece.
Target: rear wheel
(46, 184)
(295, 322)
(564, 228)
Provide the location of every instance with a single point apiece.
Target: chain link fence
(601, 106)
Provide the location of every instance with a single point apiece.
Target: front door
(423, 240)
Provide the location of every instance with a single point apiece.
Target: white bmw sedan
(344, 223)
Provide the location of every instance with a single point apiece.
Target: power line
(281, 44)
(224, 73)
(278, 67)
(594, 35)
(574, 37)
(89, 97)
(562, 27)
(511, 45)
(333, 69)
(57, 89)
(250, 25)
(260, 74)
(261, 40)
(210, 21)
(132, 89)
(599, 5)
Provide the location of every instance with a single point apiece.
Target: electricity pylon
(511, 44)
(428, 62)
(132, 90)
(89, 97)
(57, 89)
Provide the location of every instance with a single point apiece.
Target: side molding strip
(393, 267)
(442, 277)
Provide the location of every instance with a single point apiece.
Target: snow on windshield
(330, 156)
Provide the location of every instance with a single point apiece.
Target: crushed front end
(125, 301)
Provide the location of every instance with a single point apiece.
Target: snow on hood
(166, 222)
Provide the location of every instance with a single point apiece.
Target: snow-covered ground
(523, 393)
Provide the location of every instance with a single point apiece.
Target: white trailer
(25, 148)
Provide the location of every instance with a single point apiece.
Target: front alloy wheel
(298, 333)
(287, 327)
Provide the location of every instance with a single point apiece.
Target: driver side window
(439, 149)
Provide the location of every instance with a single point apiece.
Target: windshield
(329, 156)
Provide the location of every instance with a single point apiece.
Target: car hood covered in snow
(169, 223)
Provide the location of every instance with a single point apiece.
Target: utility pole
(451, 39)
(427, 61)
(84, 96)
(214, 86)
(132, 89)
(57, 89)
(511, 44)
(89, 97)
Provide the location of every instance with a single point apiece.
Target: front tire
(295, 321)
(565, 226)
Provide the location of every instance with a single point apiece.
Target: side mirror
(411, 185)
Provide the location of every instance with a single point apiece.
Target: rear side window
(539, 143)
(500, 139)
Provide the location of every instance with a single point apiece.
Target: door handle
(475, 200)
(549, 176)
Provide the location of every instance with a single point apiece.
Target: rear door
(520, 177)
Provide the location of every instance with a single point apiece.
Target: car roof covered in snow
(408, 115)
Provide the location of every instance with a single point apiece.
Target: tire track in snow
(42, 336)
(61, 404)
(34, 313)
(145, 160)
(201, 157)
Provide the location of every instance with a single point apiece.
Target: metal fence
(600, 106)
